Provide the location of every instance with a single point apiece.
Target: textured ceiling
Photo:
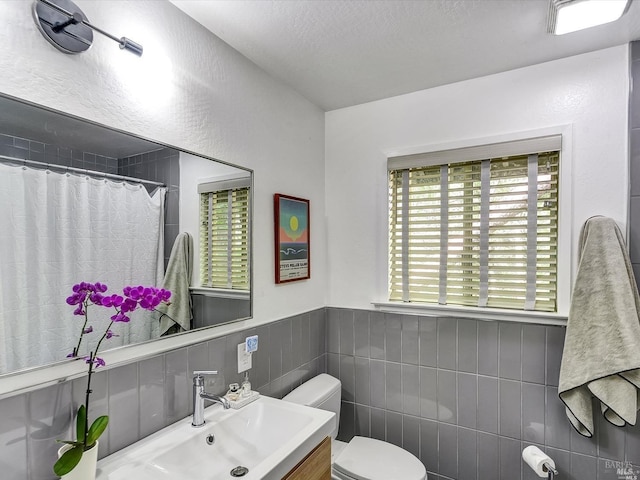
(339, 53)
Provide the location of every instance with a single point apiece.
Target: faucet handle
(200, 373)
(198, 378)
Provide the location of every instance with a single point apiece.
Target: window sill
(221, 293)
(488, 314)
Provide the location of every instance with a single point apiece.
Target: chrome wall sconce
(66, 27)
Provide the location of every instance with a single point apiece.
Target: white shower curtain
(59, 229)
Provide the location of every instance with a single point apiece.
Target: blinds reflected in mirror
(224, 235)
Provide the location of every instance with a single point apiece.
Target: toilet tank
(322, 391)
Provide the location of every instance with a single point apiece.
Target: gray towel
(177, 280)
(601, 355)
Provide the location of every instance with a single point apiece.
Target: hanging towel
(177, 280)
(601, 356)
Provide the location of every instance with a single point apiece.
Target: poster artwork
(292, 238)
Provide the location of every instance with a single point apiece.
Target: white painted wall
(588, 92)
(191, 90)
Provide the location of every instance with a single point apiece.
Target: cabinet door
(315, 466)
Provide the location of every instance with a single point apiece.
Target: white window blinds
(224, 238)
(479, 233)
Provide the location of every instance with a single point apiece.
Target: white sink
(268, 436)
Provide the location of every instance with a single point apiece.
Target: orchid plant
(84, 296)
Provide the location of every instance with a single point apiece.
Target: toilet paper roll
(536, 459)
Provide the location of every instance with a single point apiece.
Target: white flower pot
(86, 469)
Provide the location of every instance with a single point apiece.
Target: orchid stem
(86, 404)
(76, 351)
(104, 335)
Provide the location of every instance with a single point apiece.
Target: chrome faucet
(199, 396)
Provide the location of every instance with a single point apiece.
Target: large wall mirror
(83, 203)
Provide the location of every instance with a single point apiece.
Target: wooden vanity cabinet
(315, 466)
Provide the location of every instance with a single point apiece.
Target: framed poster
(291, 238)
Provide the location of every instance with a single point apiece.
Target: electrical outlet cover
(244, 358)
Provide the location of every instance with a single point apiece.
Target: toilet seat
(369, 459)
(336, 449)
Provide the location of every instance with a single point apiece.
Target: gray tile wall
(144, 397)
(55, 154)
(634, 159)
(465, 396)
(208, 311)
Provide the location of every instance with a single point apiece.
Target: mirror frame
(33, 378)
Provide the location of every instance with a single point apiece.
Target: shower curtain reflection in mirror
(59, 229)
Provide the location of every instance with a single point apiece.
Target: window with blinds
(224, 236)
(478, 233)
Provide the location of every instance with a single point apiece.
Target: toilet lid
(369, 459)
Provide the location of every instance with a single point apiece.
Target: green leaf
(96, 429)
(68, 461)
(81, 422)
(70, 442)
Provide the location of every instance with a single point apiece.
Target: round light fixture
(67, 33)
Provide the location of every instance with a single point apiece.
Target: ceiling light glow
(573, 15)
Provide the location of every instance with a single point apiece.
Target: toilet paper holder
(540, 462)
(551, 471)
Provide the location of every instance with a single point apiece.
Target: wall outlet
(244, 358)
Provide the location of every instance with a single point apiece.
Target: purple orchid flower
(112, 300)
(120, 317)
(132, 298)
(96, 298)
(97, 361)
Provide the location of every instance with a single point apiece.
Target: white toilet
(362, 458)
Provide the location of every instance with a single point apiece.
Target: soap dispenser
(246, 385)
